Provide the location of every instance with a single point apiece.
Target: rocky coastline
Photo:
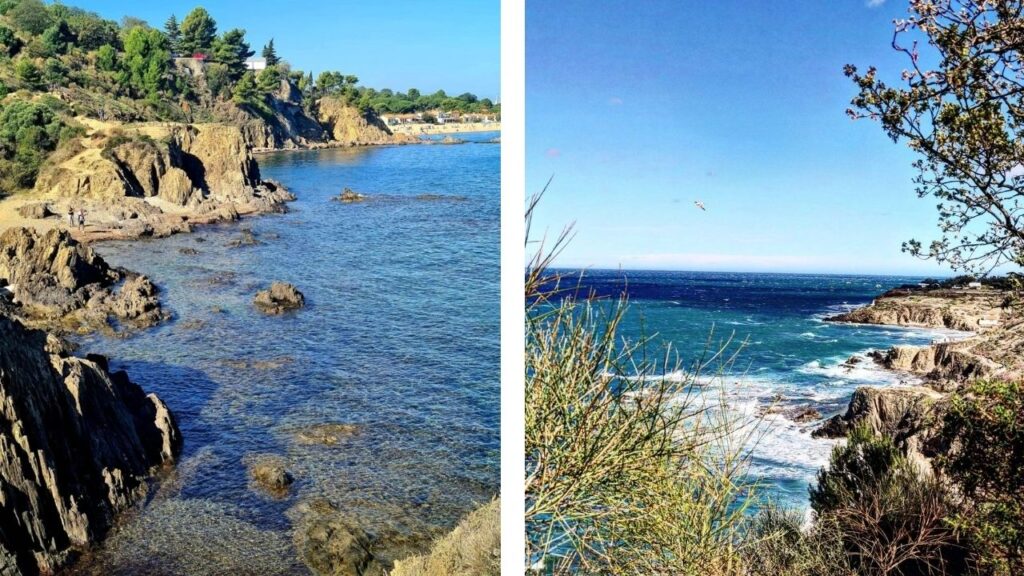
(83, 445)
(912, 415)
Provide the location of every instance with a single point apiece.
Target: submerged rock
(332, 544)
(328, 434)
(269, 473)
(279, 298)
(78, 447)
(246, 238)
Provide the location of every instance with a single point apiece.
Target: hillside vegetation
(60, 64)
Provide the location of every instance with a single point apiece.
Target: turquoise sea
(786, 355)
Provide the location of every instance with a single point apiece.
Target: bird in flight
(700, 205)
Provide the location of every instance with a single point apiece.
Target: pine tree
(173, 33)
(245, 90)
(198, 31)
(269, 54)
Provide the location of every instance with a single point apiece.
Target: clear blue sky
(452, 45)
(640, 108)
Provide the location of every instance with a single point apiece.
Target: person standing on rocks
(71, 216)
(81, 218)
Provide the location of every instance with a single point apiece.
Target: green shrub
(29, 131)
(891, 519)
(777, 543)
(985, 428)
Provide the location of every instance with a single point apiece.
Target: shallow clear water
(787, 354)
(399, 336)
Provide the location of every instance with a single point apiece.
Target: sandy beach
(427, 129)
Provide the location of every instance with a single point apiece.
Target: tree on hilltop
(198, 31)
(960, 107)
(269, 54)
(232, 50)
(173, 33)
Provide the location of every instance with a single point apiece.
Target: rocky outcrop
(348, 195)
(332, 544)
(77, 447)
(909, 415)
(346, 125)
(969, 310)
(946, 361)
(279, 298)
(134, 184)
(473, 548)
(59, 283)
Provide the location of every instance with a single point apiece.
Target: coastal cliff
(151, 179)
(911, 416)
(969, 310)
(77, 446)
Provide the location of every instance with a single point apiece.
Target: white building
(256, 64)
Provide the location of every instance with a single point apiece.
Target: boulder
(327, 434)
(79, 446)
(279, 298)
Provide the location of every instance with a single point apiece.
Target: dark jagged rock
(61, 284)
(77, 447)
(279, 298)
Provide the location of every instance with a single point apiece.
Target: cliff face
(158, 179)
(347, 126)
(909, 415)
(969, 310)
(77, 445)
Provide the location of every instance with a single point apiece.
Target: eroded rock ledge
(965, 309)
(57, 283)
(77, 446)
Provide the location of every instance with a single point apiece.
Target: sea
(399, 337)
(784, 355)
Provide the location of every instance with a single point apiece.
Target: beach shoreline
(431, 129)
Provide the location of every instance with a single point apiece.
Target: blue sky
(640, 108)
(399, 44)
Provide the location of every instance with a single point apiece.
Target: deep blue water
(399, 336)
(786, 354)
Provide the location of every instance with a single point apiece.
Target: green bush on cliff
(985, 428)
(28, 132)
(890, 518)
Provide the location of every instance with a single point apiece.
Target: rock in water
(348, 195)
(77, 447)
(279, 298)
(270, 474)
(331, 544)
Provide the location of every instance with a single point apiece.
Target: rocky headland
(912, 415)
